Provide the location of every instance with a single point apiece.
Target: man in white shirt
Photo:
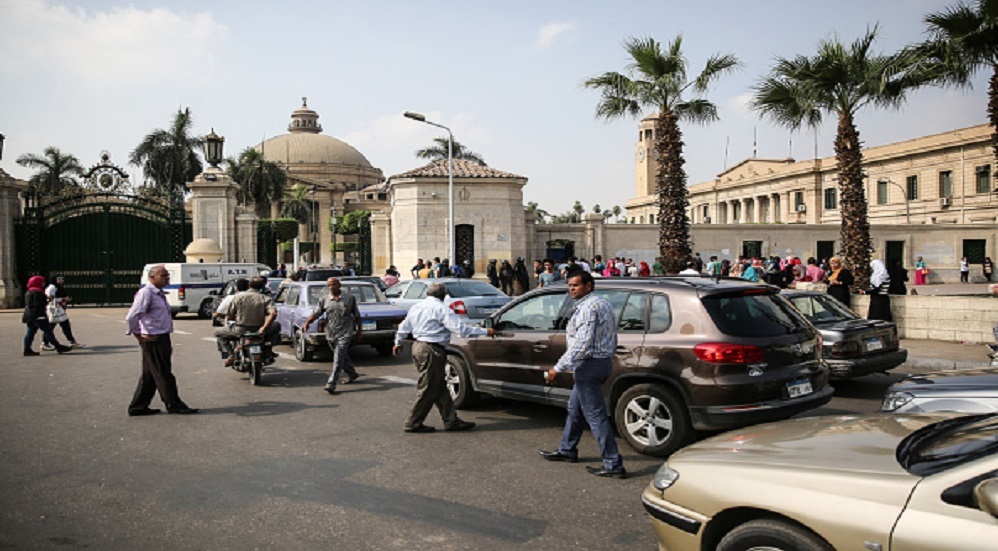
(691, 269)
(430, 323)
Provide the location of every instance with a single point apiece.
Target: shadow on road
(265, 409)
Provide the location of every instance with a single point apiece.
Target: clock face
(641, 155)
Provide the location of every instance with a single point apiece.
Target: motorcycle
(251, 355)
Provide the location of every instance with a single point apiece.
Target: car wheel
(459, 383)
(302, 353)
(652, 419)
(772, 534)
(204, 311)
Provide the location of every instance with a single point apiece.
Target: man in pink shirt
(814, 271)
(149, 320)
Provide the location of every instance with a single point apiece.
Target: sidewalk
(941, 355)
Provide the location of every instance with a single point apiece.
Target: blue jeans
(36, 325)
(341, 359)
(587, 406)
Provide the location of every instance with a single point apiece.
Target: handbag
(56, 313)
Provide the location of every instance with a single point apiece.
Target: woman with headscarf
(753, 272)
(644, 270)
(56, 292)
(839, 280)
(611, 269)
(36, 319)
(880, 300)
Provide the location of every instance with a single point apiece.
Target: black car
(853, 346)
(322, 274)
(692, 354)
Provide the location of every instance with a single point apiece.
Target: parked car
(965, 390)
(322, 274)
(470, 299)
(853, 346)
(377, 281)
(693, 354)
(296, 300)
(900, 482)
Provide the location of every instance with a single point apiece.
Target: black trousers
(157, 374)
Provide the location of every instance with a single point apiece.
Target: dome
(291, 149)
(305, 144)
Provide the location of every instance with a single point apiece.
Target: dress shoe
(31, 353)
(557, 455)
(460, 425)
(420, 429)
(63, 349)
(143, 411)
(618, 472)
(351, 378)
(183, 410)
(330, 388)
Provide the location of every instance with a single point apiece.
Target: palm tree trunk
(673, 196)
(855, 233)
(993, 108)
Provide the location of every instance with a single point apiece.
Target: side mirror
(986, 496)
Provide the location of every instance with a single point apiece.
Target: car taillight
(845, 349)
(458, 307)
(726, 353)
(181, 293)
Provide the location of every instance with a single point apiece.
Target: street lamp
(314, 226)
(450, 179)
(907, 204)
(335, 228)
(213, 148)
(2, 138)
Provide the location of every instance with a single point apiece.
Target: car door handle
(540, 347)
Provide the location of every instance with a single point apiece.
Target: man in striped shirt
(592, 340)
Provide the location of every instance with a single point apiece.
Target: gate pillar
(381, 243)
(10, 207)
(214, 211)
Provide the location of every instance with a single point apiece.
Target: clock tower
(644, 159)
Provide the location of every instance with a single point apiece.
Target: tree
(963, 39)
(839, 79)
(439, 151)
(57, 172)
(296, 203)
(260, 181)
(538, 212)
(657, 79)
(616, 212)
(597, 209)
(169, 157)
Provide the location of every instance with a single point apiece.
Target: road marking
(209, 339)
(394, 379)
(179, 332)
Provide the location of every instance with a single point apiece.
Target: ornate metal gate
(464, 244)
(100, 238)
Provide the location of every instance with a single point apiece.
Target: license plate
(368, 325)
(799, 388)
(873, 344)
(254, 349)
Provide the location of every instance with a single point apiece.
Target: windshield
(459, 289)
(821, 308)
(942, 445)
(753, 315)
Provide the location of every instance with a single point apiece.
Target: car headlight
(894, 400)
(665, 477)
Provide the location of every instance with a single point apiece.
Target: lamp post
(333, 223)
(313, 227)
(450, 180)
(213, 148)
(2, 138)
(907, 204)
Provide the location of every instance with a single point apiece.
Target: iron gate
(98, 241)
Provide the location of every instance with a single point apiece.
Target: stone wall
(940, 318)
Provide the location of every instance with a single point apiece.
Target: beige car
(880, 482)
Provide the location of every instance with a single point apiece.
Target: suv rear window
(755, 315)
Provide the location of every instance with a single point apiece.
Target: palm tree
(260, 181)
(962, 40)
(616, 212)
(839, 79)
(657, 79)
(439, 151)
(57, 172)
(296, 203)
(169, 158)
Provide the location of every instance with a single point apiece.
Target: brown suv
(692, 353)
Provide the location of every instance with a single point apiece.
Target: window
(395, 291)
(292, 297)
(983, 179)
(912, 187)
(651, 218)
(831, 199)
(661, 315)
(798, 200)
(616, 298)
(946, 183)
(537, 314)
(415, 290)
(315, 294)
(753, 315)
(634, 314)
(881, 193)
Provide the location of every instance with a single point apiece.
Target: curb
(938, 364)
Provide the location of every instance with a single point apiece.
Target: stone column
(758, 210)
(775, 207)
(381, 244)
(10, 208)
(214, 211)
(246, 227)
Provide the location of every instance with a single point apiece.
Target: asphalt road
(285, 465)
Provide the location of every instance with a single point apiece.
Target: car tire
(772, 534)
(458, 382)
(204, 311)
(653, 420)
(302, 353)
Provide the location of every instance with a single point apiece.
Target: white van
(190, 284)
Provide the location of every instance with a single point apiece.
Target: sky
(506, 77)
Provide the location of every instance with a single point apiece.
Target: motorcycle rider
(250, 312)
